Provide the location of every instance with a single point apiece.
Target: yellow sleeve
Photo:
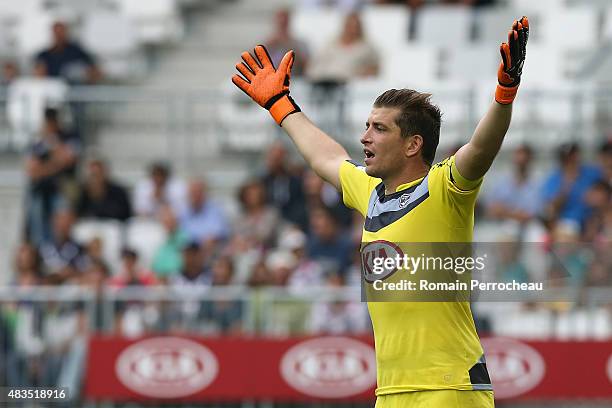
(356, 186)
(454, 189)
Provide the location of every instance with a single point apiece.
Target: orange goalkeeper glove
(267, 86)
(513, 57)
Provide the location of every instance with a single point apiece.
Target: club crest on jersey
(403, 200)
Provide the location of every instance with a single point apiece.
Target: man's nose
(365, 137)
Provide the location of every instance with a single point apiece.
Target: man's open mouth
(368, 154)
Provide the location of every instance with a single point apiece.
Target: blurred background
(142, 196)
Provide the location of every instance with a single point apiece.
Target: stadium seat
(13, 11)
(317, 27)
(110, 232)
(544, 66)
(472, 63)
(538, 6)
(417, 66)
(33, 34)
(246, 126)
(145, 236)
(493, 24)
(112, 38)
(456, 21)
(156, 21)
(582, 22)
(386, 27)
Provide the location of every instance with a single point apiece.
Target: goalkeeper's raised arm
(474, 159)
(269, 87)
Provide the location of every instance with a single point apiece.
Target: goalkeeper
(428, 353)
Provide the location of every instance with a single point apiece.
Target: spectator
(284, 189)
(319, 193)
(338, 317)
(564, 189)
(158, 190)
(194, 274)
(258, 223)
(63, 258)
(512, 195)
(167, 259)
(598, 199)
(27, 98)
(224, 315)
(51, 167)
(100, 197)
(605, 160)
(327, 244)
(282, 41)
(28, 265)
(307, 272)
(67, 59)
(280, 265)
(10, 72)
(131, 273)
(346, 58)
(202, 219)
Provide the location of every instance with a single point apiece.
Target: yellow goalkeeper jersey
(422, 345)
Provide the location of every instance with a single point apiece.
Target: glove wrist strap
(505, 95)
(283, 107)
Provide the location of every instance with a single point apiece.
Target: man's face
(383, 144)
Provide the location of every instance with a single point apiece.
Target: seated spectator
(258, 222)
(223, 316)
(598, 199)
(27, 98)
(194, 274)
(100, 197)
(327, 244)
(319, 193)
(195, 271)
(338, 317)
(28, 265)
(51, 167)
(283, 188)
(280, 265)
(168, 259)
(10, 72)
(346, 58)
(158, 190)
(512, 194)
(307, 273)
(202, 219)
(564, 190)
(282, 41)
(605, 160)
(62, 257)
(131, 273)
(67, 59)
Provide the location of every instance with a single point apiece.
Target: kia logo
(330, 367)
(379, 249)
(166, 367)
(515, 367)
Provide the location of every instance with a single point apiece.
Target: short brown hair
(418, 116)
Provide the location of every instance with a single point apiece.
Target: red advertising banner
(171, 368)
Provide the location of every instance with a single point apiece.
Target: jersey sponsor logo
(330, 367)
(515, 367)
(166, 367)
(372, 259)
(403, 200)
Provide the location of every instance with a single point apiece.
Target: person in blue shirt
(563, 192)
(68, 59)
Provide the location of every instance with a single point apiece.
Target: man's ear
(413, 145)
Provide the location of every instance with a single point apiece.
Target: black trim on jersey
(380, 191)
(479, 374)
(380, 221)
